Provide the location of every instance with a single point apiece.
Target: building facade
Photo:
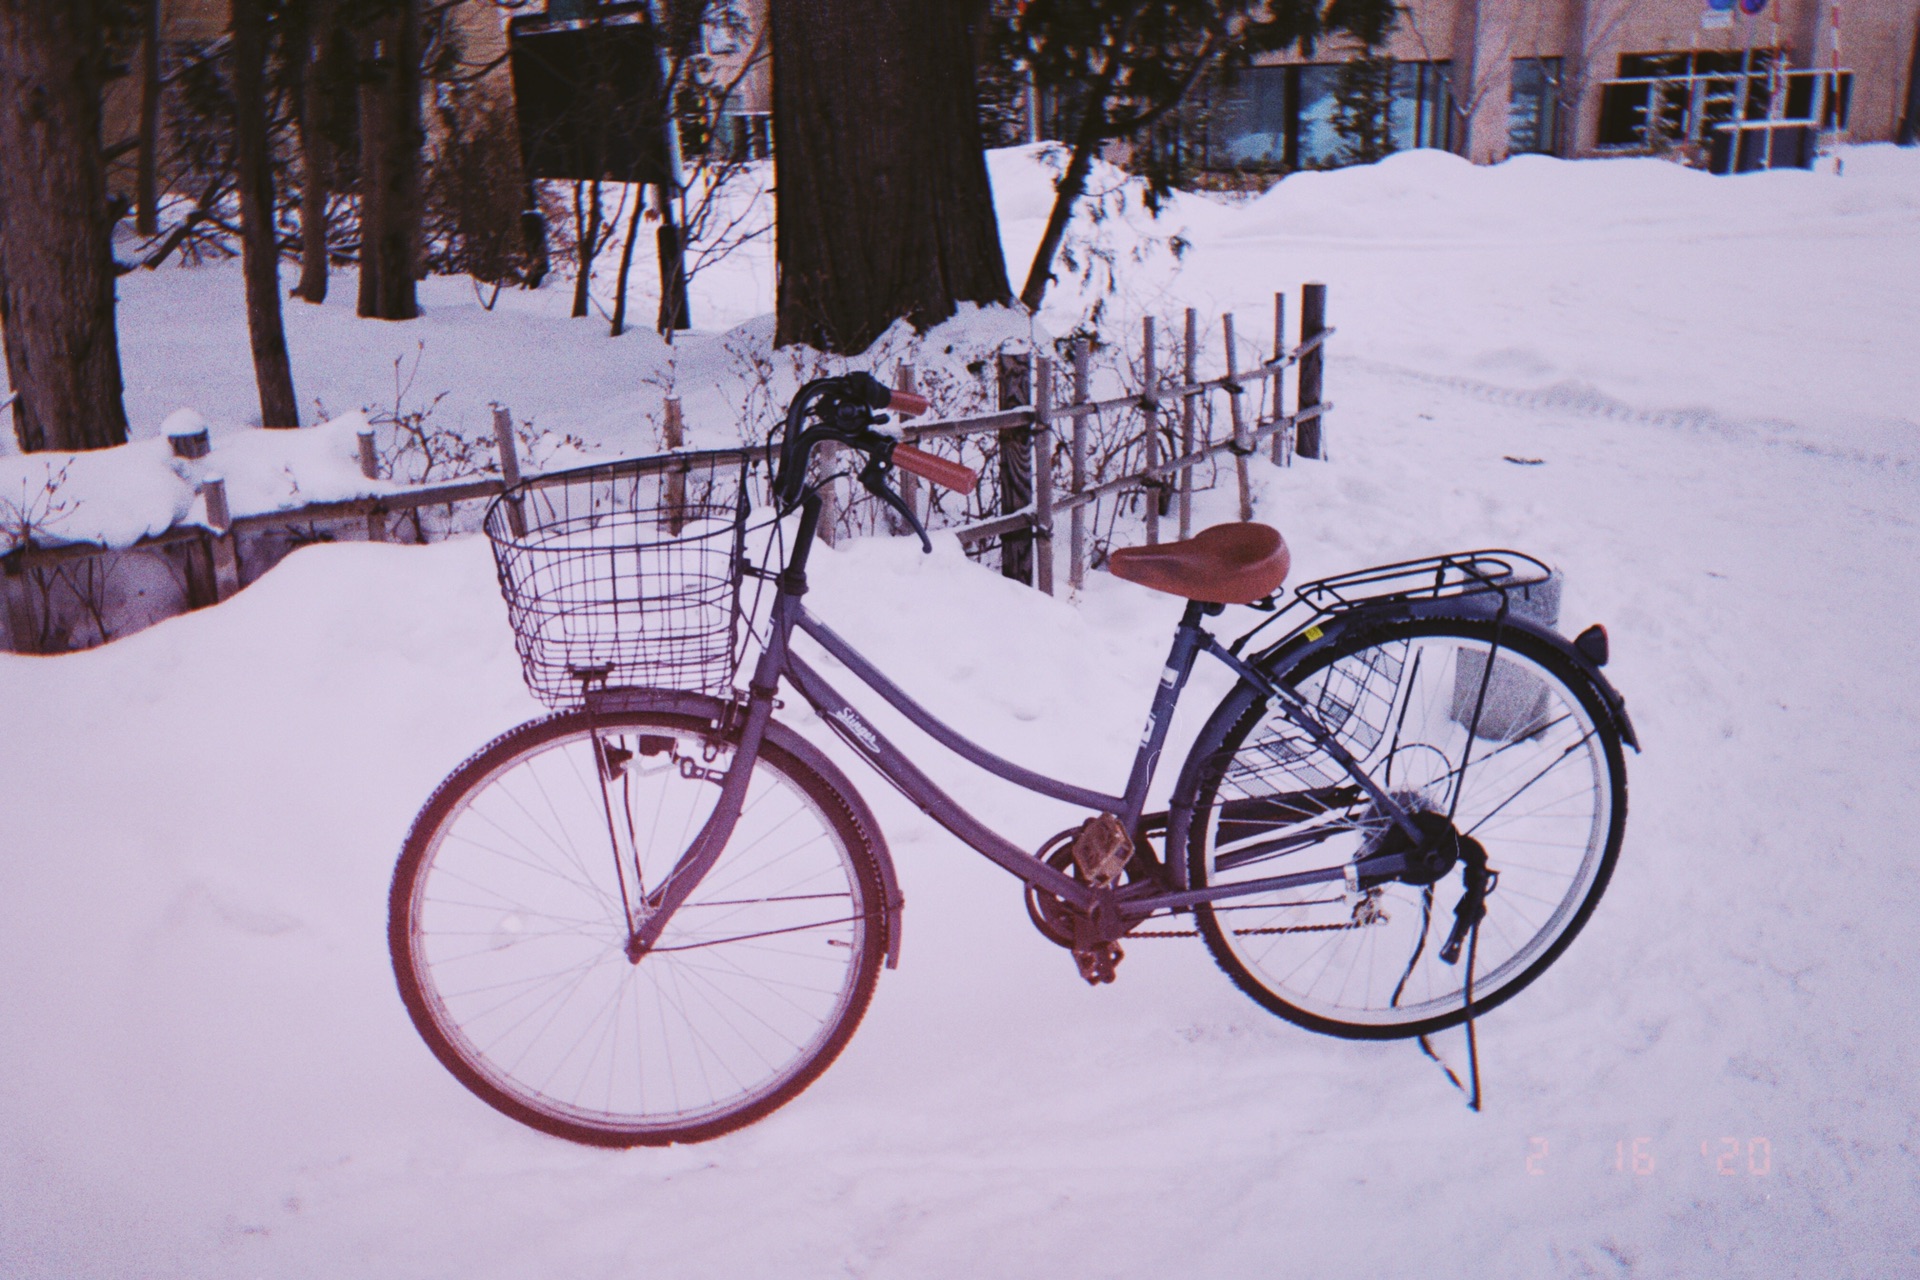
(1492, 78)
(1486, 79)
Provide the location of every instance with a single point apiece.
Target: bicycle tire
(508, 942)
(1404, 692)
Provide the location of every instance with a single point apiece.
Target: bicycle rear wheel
(1541, 786)
(508, 930)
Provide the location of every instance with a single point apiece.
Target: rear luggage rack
(1481, 580)
(1462, 573)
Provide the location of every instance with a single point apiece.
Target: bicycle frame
(1114, 909)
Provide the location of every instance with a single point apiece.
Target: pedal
(1102, 849)
(1097, 965)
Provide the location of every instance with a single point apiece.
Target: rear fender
(1324, 633)
(1291, 650)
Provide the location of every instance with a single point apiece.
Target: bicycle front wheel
(512, 905)
(1539, 784)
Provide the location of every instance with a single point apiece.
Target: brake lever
(873, 477)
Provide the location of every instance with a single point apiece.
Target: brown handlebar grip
(907, 403)
(933, 467)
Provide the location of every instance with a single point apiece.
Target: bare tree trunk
(1068, 190)
(259, 248)
(1481, 77)
(146, 195)
(884, 207)
(308, 44)
(1463, 77)
(533, 233)
(626, 266)
(1910, 118)
(390, 137)
(671, 241)
(56, 257)
(586, 226)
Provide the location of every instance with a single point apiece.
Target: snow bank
(208, 1072)
(205, 1070)
(115, 497)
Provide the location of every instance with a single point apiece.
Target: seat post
(1198, 609)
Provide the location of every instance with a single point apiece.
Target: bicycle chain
(1247, 933)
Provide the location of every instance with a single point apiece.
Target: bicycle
(658, 914)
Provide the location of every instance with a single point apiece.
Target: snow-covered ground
(205, 1069)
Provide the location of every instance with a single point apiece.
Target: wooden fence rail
(1298, 433)
(1031, 429)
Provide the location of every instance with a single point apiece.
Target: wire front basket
(625, 574)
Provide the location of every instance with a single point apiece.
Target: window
(1284, 117)
(1251, 121)
(1420, 107)
(750, 135)
(1320, 146)
(1662, 99)
(724, 30)
(1533, 108)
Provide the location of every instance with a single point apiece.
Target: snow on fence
(78, 594)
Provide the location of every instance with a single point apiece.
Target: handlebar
(875, 394)
(934, 468)
(907, 404)
(842, 409)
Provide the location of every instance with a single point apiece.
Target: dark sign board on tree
(588, 93)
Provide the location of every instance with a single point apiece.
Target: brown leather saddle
(1227, 564)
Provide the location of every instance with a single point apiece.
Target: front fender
(716, 712)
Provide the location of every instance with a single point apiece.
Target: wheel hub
(1432, 858)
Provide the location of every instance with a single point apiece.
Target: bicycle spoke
(1489, 738)
(519, 954)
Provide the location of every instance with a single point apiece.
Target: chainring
(1054, 918)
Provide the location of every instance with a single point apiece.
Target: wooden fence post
(509, 465)
(1077, 547)
(370, 468)
(1150, 413)
(1281, 439)
(1313, 320)
(1240, 446)
(1016, 465)
(1043, 474)
(1189, 375)
(909, 482)
(16, 591)
(503, 440)
(224, 548)
(194, 444)
(824, 459)
(673, 434)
